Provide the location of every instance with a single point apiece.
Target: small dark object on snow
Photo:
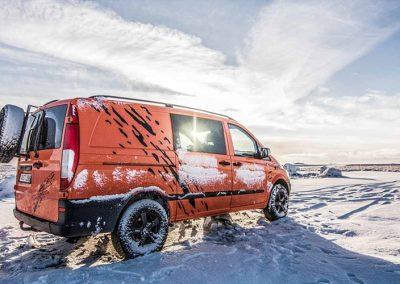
(331, 172)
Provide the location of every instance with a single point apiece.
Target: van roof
(169, 105)
(164, 104)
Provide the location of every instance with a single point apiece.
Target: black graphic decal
(123, 132)
(105, 109)
(43, 190)
(156, 157)
(140, 120)
(122, 146)
(138, 136)
(150, 170)
(162, 175)
(119, 116)
(157, 122)
(109, 122)
(119, 123)
(115, 153)
(166, 139)
(95, 108)
(183, 207)
(146, 109)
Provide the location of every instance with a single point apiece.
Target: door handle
(237, 164)
(37, 165)
(224, 163)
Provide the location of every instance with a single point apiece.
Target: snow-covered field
(339, 230)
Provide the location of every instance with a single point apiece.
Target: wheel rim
(146, 225)
(281, 201)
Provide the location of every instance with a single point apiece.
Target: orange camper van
(131, 167)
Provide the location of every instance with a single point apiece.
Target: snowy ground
(339, 230)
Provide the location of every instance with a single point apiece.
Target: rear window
(196, 134)
(44, 128)
(52, 127)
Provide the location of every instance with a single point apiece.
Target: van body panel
(128, 148)
(249, 174)
(40, 197)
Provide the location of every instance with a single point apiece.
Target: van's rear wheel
(142, 229)
(11, 122)
(278, 203)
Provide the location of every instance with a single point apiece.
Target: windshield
(44, 129)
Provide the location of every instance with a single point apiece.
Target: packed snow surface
(339, 230)
(7, 181)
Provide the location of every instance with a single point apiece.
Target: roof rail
(52, 101)
(161, 103)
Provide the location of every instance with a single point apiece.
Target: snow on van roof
(160, 103)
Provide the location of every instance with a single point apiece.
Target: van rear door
(38, 178)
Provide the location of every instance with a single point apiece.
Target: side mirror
(265, 152)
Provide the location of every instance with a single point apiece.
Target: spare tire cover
(11, 122)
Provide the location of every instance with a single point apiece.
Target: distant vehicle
(131, 167)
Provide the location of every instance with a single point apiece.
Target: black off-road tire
(278, 203)
(11, 123)
(142, 229)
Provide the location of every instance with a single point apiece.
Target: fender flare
(138, 193)
(280, 179)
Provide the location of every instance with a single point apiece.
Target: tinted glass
(52, 127)
(243, 144)
(198, 134)
(29, 132)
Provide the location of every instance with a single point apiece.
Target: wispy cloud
(291, 50)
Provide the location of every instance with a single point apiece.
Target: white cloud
(293, 48)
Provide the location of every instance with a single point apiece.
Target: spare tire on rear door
(11, 122)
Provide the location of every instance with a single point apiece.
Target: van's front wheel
(142, 229)
(278, 203)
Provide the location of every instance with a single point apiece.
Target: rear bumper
(79, 219)
(40, 224)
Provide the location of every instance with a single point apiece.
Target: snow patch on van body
(100, 179)
(127, 175)
(250, 174)
(118, 174)
(132, 175)
(199, 169)
(81, 179)
(84, 104)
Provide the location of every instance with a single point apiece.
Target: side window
(243, 144)
(196, 134)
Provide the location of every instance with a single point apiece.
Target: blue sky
(317, 81)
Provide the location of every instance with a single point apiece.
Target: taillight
(70, 154)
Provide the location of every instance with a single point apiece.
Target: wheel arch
(284, 183)
(154, 193)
